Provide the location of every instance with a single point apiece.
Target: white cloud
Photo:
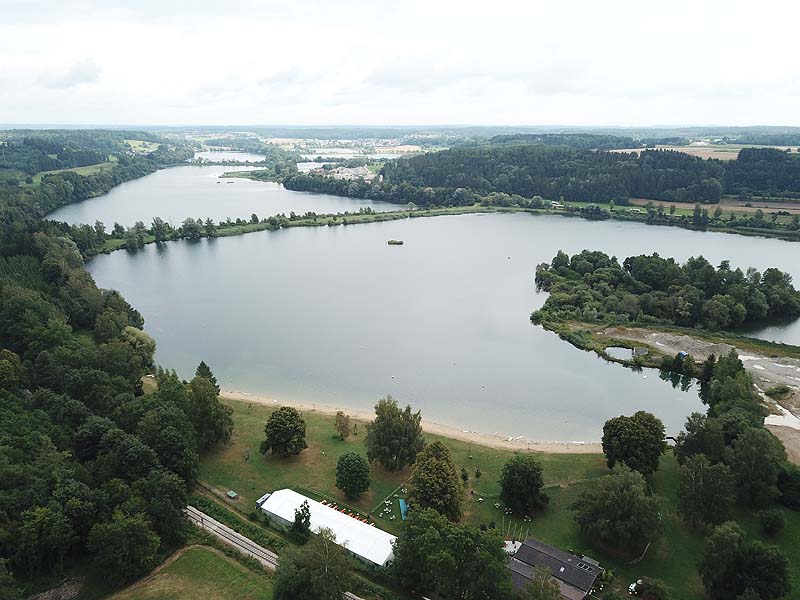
(85, 71)
(434, 61)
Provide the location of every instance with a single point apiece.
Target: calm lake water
(198, 192)
(336, 316)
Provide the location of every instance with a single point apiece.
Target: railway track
(232, 538)
(244, 545)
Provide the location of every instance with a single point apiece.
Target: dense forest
(587, 141)
(32, 151)
(23, 203)
(593, 287)
(515, 168)
(583, 175)
(89, 465)
(554, 172)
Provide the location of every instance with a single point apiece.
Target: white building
(363, 540)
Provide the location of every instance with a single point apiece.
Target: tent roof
(366, 541)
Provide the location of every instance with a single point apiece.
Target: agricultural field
(718, 151)
(200, 572)
(727, 205)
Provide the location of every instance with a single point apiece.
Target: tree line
(593, 287)
(728, 462)
(91, 467)
(455, 176)
(32, 151)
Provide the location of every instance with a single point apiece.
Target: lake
(334, 315)
(198, 192)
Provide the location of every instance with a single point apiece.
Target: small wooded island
(670, 316)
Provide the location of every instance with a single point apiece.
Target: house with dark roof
(576, 575)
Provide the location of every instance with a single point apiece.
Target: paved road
(244, 545)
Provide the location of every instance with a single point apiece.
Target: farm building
(362, 539)
(576, 575)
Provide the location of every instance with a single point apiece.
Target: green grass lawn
(673, 558)
(142, 147)
(89, 170)
(201, 572)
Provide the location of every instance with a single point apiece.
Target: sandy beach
(474, 437)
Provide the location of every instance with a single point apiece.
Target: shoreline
(448, 431)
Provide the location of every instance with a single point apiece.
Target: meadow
(200, 571)
(673, 558)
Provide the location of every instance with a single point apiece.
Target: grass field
(201, 572)
(673, 557)
(90, 170)
(142, 147)
(727, 206)
(720, 151)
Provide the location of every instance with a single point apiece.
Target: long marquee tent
(363, 540)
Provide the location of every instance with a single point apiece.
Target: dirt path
(766, 371)
(473, 437)
(171, 559)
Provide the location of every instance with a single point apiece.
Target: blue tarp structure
(403, 509)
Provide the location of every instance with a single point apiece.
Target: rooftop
(366, 541)
(576, 575)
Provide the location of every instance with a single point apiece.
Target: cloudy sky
(316, 62)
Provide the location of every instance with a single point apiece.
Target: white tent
(366, 541)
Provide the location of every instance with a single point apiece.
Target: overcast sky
(317, 62)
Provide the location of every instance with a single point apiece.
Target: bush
(772, 521)
(776, 391)
(789, 485)
(224, 516)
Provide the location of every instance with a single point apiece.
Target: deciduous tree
(352, 474)
(286, 433)
(521, 485)
(300, 529)
(434, 556)
(125, 545)
(757, 456)
(732, 565)
(435, 483)
(320, 571)
(342, 425)
(395, 436)
(706, 492)
(618, 511)
(636, 441)
(543, 586)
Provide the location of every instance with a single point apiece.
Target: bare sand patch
(791, 440)
(474, 437)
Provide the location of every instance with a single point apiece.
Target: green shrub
(226, 517)
(772, 521)
(777, 391)
(789, 485)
